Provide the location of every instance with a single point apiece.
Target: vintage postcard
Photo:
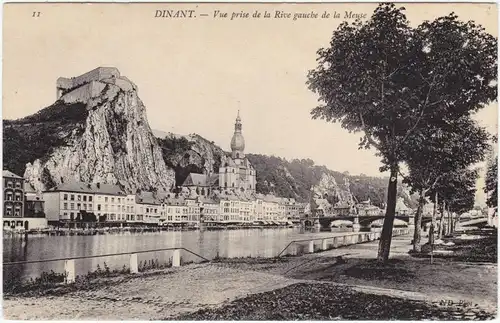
(250, 161)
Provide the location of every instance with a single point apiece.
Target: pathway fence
(295, 247)
(299, 247)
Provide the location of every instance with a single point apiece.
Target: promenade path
(180, 290)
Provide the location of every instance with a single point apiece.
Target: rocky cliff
(191, 153)
(98, 132)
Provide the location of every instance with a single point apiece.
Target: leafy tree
(491, 188)
(492, 185)
(436, 152)
(385, 79)
(456, 191)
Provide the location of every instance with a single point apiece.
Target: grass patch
(305, 301)
(371, 269)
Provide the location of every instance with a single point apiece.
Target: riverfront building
(209, 210)
(13, 195)
(148, 209)
(22, 207)
(175, 211)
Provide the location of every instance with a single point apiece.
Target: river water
(209, 244)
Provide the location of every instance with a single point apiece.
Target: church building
(237, 172)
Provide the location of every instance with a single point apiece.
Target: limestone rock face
(327, 185)
(113, 145)
(190, 154)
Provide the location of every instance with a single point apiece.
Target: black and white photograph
(250, 161)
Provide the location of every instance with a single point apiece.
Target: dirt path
(192, 287)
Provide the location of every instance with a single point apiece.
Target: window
(9, 184)
(105, 199)
(9, 196)
(84, 206)
(112, 200)
(72, 197)
(65, 197)
(85, 198)
(65, 206)
(90, 198)
(78, 206)
(98, 207)
(79, 197)
(72, 206)
(18, 196)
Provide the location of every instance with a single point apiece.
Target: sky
(194, 75)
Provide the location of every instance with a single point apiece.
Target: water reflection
(209, 244)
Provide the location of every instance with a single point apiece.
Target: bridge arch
(380, 223)
(341, 223)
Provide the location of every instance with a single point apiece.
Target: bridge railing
(300, 247)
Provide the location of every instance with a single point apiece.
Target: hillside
(294, 178)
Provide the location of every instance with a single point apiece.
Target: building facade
(13, 195)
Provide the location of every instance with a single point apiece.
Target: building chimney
(98, 185)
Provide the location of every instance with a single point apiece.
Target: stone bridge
(360, 222)
(366, 222)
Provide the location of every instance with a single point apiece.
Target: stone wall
(84, 93)
(100, 73)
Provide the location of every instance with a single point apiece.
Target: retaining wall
(322, 244)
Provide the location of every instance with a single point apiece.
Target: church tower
(237, 142)
(237, 173)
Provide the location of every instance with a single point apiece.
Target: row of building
(82, 202)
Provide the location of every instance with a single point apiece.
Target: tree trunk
(441, 221)
(418, 223)
(450, 221)
(384, 246)
(433, 221)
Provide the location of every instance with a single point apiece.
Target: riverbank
(137, 229)
(176, 292)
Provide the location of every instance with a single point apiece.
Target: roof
(195, 179)
(8, 173)
(28, 188)
(175, 201)
(146, 197)
(34, 198)
(205, 200)
(94, 188)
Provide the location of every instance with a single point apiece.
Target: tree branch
(367, 133)
(419, 118)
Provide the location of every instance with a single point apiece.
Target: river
(209, 244)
